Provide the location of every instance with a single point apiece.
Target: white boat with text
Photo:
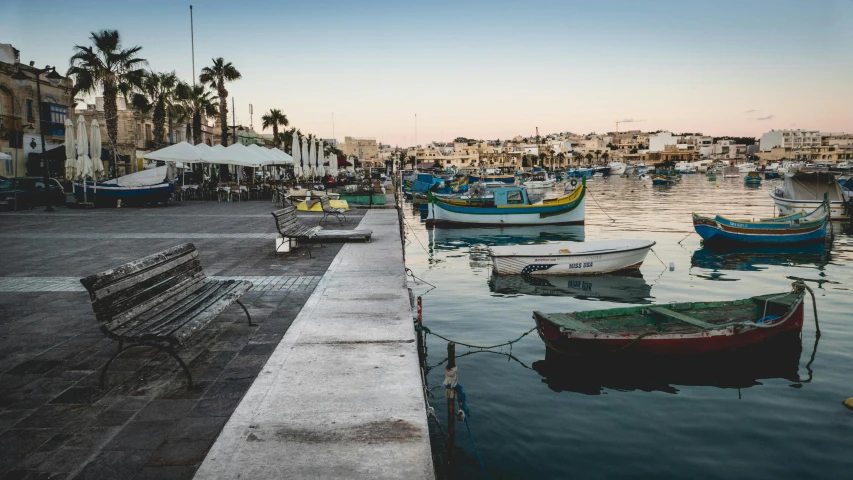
(570, 258)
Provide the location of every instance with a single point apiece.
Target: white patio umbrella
(297, 157)
(306, 159)
(333, 164)
(283, 156)
(312, 155)
(70, 151)
(95, 147)
(321, 159)
(84, 163)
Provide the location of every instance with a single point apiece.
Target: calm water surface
(541, 416)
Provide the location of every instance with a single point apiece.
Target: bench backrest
(137, 286)
(325, 203)
(285, 218)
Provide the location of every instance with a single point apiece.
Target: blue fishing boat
(771, 175)
(492, 178)
(506, 206)
(425, 181)
(580, 172)
(797, 228)
(752, 179)
(144, 187)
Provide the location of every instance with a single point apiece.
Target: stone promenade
(54, 420)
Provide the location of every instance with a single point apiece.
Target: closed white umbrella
(312, 155)
(84, 163)
(321, 158)
(97, 163)
(306, 159)
(70, 151)
(297, 157)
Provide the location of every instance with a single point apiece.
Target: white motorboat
(570, 258)
(540, 180)
(805, 191)
(616, 168)
(746, 167)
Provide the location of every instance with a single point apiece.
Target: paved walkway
(341, 395)
(54, 421)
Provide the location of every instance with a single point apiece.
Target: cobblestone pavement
(54, 420)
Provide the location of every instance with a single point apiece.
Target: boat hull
(491, 178)
(110, 193)
(787, 206)
(569, 211)
(571, 264)
(571, 342)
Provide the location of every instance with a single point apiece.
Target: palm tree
(605, 156)
(286, 139)
(588, 158)
(197, 102)
(216, 75)
(157, 92)
(560, 158)
(108, 67)
(273, 119)
(597, 154)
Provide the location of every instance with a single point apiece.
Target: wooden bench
(159, 301)
(328, 211)
(289, 227)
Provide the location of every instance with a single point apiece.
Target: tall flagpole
(192, 41)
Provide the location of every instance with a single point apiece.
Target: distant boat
(570, 258)
(491, 178)
(690, 328)
(506, 206)
(540, 180)
(771, 175)
(731, 172)
(805, 191)
(752, 179)
(146, 186)
(746, 167)
(616, 168)
(792, 229)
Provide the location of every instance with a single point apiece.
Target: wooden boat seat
(665, 312)
(569, 323)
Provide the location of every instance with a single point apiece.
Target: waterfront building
(790, 139)
(839, 138)
(671, 153)
(365, 149)
(24, 117)
(823, 154)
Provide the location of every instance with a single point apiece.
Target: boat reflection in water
(775, 359)
(625, 288)
(456, 238)
(758, 258)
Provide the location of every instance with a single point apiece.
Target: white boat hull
(788, 206)
(438, 215)
(582, 263)
(617, 169)
(540, 184)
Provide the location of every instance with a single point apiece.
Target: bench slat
(131, 318)
(129, 297)
(99, 280)
(230, 291)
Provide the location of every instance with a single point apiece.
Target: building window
(30, 114)
(9, 166)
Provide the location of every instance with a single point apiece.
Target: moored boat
(506, 206)
(147, 186)
(796, 228)
(570, 258)
(752, 179)
(806, 191)
(492, 178)
(688, 328)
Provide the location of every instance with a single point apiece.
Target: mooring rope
(462, 399)
(421, 328)
(599, 206)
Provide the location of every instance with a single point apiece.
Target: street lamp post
(23, 80)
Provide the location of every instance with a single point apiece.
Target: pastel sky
(489, 69)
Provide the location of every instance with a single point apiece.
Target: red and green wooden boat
(675, 328)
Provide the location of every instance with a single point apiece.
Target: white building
(789, 139)
(659, 141)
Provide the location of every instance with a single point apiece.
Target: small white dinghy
(570, 258)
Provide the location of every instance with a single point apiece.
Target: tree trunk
(196, 128)
(111, 116)
(159, 119)
(274, 135)
(189, 133)
(223, 113)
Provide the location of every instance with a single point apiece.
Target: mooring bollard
(420, 312)
(450, 380)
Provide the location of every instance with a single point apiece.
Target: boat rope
(414, 235)
(418, 279)
(661, 261)
(814, 306)
(426, 330)
(472, 352)
(685, 238)
(602, 209)
(465, 413)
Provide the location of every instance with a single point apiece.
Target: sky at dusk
(488, 69)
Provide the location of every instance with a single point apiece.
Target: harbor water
(533, 414)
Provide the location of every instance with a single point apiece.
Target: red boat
(675, 328)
